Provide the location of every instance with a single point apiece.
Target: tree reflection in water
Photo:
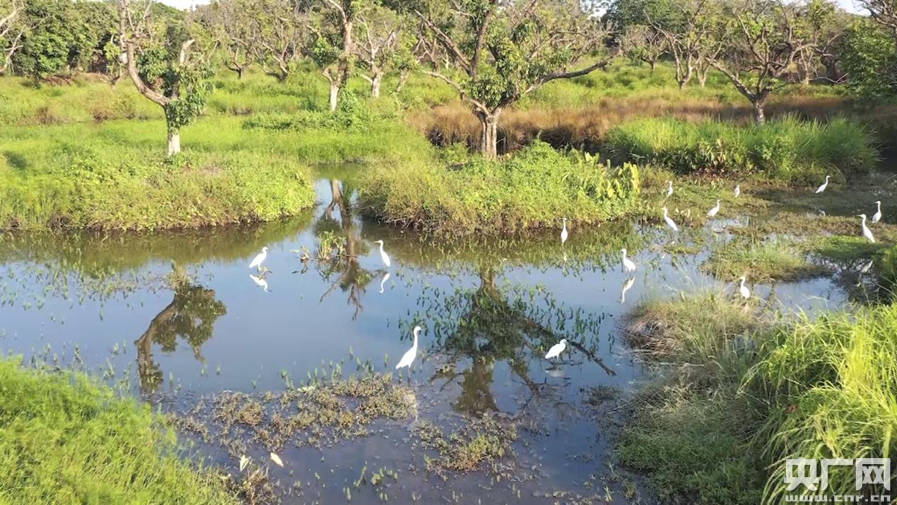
(191, 316)
(490, 324)
(339, 247)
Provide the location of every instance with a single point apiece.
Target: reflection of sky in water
(309, 320)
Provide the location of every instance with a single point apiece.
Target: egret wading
(628, 264)
(743, 290)
(564, 232)
(712, 212)
(820, 189)
(556, 349)
(866, 231)
(737, 190)
(259, 259)
(877, 216)
(669, 220)
(410, 354)
(383, 256)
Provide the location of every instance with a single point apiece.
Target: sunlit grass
(65, 440)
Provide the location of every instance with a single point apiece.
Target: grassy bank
(533, 190)
(70, 441)
(744, 392)
(786, 150)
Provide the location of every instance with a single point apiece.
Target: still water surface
(489, 309)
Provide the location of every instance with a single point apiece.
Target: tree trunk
(653, 64)
(240, 73)
(375, 84)
(759, 113)
(174, 141)
(489, 136)
(403, 78)
(334, 94)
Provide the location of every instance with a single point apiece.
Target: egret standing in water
(259, 259)
(383, 256)
(410, 354)
(866, 231)
(820, 189)
(737, 190)
(743, 290)
(628, 265)
(669, 189)
(877, 216)
(669, 220)
(712, 212)
(564, 232)
(556, 349)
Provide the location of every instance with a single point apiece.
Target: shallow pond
(177, 319)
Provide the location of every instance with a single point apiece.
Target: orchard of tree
(492, 53)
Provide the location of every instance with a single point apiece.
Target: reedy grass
(786, 149)
(734, 404)
(65, 439)
(532, 190)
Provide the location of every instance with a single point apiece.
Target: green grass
(786, 150)
(67, 440)
(742, 392)
(532, 190)
(762, 261)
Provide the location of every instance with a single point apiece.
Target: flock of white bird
(629, 266)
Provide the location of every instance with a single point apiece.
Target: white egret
(712, 212)
(866, 267)
(626, 287)
(259, 259)
(628, 265)
(556, 349)
(244, 462)
(669, 220)
(737, 190)
(383, 256)
(669, 189)
(260, 282)
(383, 281)
(820, 189)
(877, 216)
(410, 354)
(743, 290)
(276, 459)
(564, 232)
(866, 231)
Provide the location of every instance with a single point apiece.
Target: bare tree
(233, 28)
(279, 31)
(685, 25)
(884, 12)
(170, 77)
(643, 43)
(11, 30)
(494, 53)
(761, 43)
(378, 39)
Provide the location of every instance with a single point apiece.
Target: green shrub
(787, 149)
(533, 189)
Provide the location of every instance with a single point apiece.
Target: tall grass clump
(531, 190)
(739, 396)
(830, 391)
(67, 440)
(786, 149)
